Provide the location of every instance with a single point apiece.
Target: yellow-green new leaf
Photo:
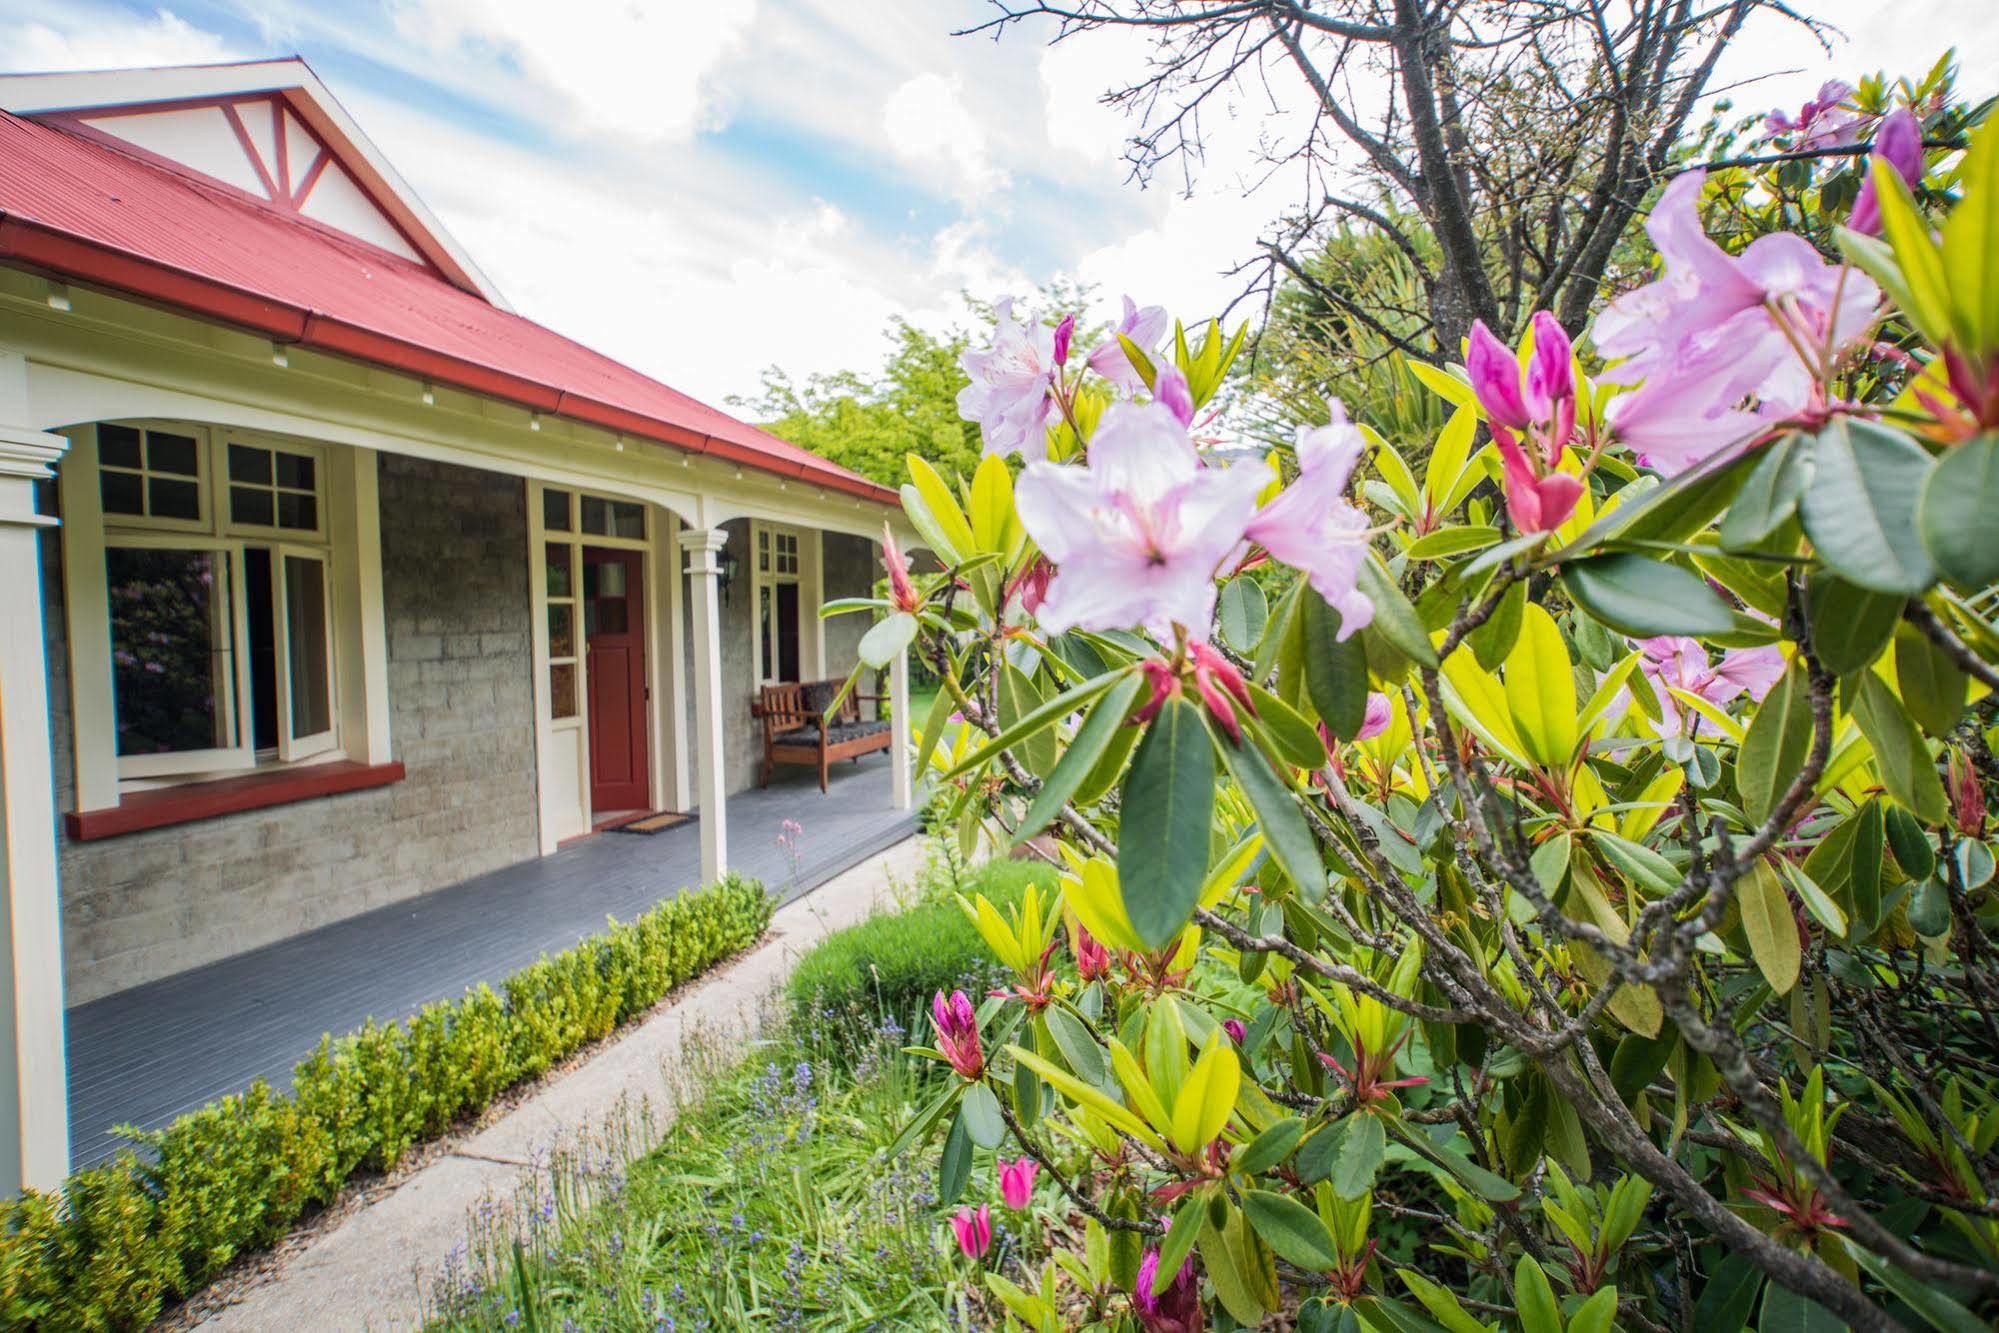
(1138, 1087)
(1208, 1096)
(943, 505)
(1540, 690)
(1772, 930)
(1084, 1095)
(993, 524)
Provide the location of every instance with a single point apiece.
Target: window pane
(305, 632)
(297, 471)
(596, 516)
(628, 520)
(118, 446)
(562, 690)
(260, 613)
(172, 453)
(169, 649)
(610, 617)
(558, 557)
(247, 504)
(248, 464)
(561, 630)
(168, 498)
(555, 510)
(123, 492)
(300, 513)
(767, 615)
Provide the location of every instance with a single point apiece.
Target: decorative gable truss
(258, 144)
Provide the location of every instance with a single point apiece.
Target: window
(614, 518)
(562, 650)
(222, 652)
(777, 552)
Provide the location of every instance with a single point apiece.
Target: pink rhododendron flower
(1822, 122)
(974, 1228)
(1967, 795)
(1682, 663)
(1138, 533)
(901, 592)
(1174, 1310)
(1534, 503)
(1221, 688)
(1093, 960)
(1542, 408)
(1719, 341)
(1017, 1182)
(1237, 1032)
(1065, 333)
(1012, 382)
(958, 1033)
(1031, 583)
(1375, 720)
(1311, 525)
(1900, 145)
(1145, 327)
(1171, 389)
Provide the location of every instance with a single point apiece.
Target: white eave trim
(35, 94)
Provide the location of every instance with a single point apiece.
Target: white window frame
(225, 519)
(807, 575)
(347, 545)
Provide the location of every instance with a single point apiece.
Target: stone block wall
(455, 592)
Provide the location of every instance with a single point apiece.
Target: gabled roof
(94, 208)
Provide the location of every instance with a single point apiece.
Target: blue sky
(704, 189)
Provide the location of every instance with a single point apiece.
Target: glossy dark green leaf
(1934, 688)
(1106, 717)
(1270, 1147)
(1900, 757)
(1675, 510)
(1394, 618)
(1929, 907)
(1642, 597)
(980, 1115)
(1955, 512)
(1860, 508)
(1241, 613)
(1362, 1150)
(1850, 625)
(1285, 832)
(1785, 1311)
(1293, 1231)
(1909, 844)
(1335, 672)
(1730, 1294)
(1019, 697)
(1167, 811)
(1869, 841)
(1775, 745)
(1297, 740)
(1770, 494)
(954, 1167)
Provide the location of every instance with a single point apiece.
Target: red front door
(614, 633)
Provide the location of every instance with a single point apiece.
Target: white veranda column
(703, 546)
(898, 750)
(34, 1097)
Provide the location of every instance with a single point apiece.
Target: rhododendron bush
(1549, 892)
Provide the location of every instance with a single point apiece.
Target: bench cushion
(841, 732)
(817, 695)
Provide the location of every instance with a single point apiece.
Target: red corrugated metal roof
(75, 206)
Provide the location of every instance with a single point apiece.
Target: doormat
(655, 823)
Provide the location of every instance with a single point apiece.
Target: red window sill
(205, 800)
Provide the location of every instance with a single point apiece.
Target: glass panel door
(304, 617)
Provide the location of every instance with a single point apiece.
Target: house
(327, 578)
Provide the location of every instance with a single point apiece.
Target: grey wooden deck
(146, 1055)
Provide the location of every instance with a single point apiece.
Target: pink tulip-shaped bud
(1375, 720)
(974, 1228)
(958, 1034)
(1163, 685)
(1237, 1032)
(1174, 1310)
(901, 592)
(1221, 688)
(1967, 796)
(1495, 380)
(1171, 389)
(1017, 1182)
(1900, 145)
(1536, 504)
(1093, 960)
(1064, 332)
(1551, 384)
(1031, 583)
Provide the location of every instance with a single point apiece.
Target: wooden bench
(796, 732)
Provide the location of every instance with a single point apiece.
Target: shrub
(890, 965)
(127, 1236)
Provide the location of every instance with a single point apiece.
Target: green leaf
(1534, 1298)
(1451, 541)
(954, 1164)
(1044, 716)
(1776, 744)
(1971, 250)
(1285, 831)
(1079, 1049)
(1394, 618)
(1105, 717)
(1860, 508)
(886, 639)
(1900, 757)
(1297, 740)
(1335, 671)
(1167, 810)
(1180, 1238)
(1785, 1311)
(1362, 1149)
(1484, 1183)
(1642, 597)
(1290, 1229)
(1492, 641)
(1650, 870)
(943, 505)
(1939, 1310)
(1770, 495)
(979, 1113)
(1955, 512)
(917, 510)
(1541, 690)
(1242, 613)
(1730, 1294)
(1925, 291)
(1934, 688)
(1269, 1148)
(1772, 930)
(934, 723)
(1018, 697)
(1595, 1314)
(1850, 625)
(992, 505)
(1910, 845)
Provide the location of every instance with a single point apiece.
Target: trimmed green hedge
(126, 1236)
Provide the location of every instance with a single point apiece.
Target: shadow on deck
(146, 1055)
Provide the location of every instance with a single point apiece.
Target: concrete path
(361, 1273)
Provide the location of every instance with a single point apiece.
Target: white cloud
(110, 39)
(629, 68)
(927, 123)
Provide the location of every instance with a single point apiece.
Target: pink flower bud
(958, 1034)
(1900, 145)
(901, 592)
(1495, 379)
(1967, 796)
(1375, 720)
(1031, 583)
(1093, 960)
(1171, 389)
(1064, 332)
(1536, 504)
(1174, 1310)
(1237, 1032)
(1017, 1182)
(1164, 685)
(975, 1230)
